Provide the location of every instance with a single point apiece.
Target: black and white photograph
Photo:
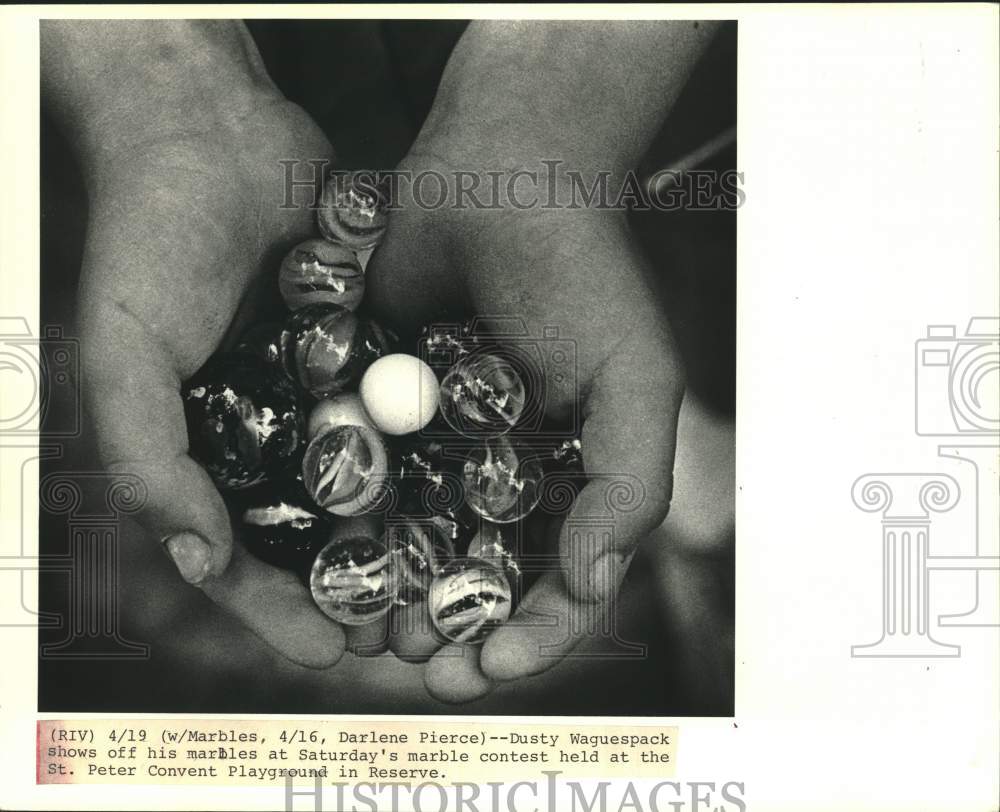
(406, 364)
(489, 407)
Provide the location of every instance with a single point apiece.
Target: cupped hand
(183, 225)
(580, 271)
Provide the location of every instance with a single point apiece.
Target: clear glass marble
(243, 419)
(345, 469)
(482, 395)
(421, 547)
(494, 543)
(502, 480)
(426, 481)
(344, 409)
(468, 599)
(568, 456)
(317, 271)
(327, 348)
(354, 580)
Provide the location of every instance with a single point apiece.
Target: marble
(399, 393)
(327, 348)
(425, 478)
(421, 547)
(317, 271)
(354, 580)
(345, 470)
(244, 423)
(263, 340)
(344, 409)
(353, 210)
(568, 456)
(482, 395)
(283, 528)
(502, 479)
(468, 599)
(495, 542)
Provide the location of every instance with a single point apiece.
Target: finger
(132, 394)
(406, 286)
(453, 675)
(546, 627)
(629, 439)
(368, 640)
(274, 605)
(412, 637)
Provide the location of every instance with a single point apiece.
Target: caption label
(177, 751)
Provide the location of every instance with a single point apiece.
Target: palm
(184, 227)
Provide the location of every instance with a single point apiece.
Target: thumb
(133, 397)
(628, 442)
(410, 278)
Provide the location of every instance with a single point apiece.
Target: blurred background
(678, 601)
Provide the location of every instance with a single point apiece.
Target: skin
(182, 117)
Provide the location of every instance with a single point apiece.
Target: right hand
(183, 223)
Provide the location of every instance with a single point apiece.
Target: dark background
(679, 603)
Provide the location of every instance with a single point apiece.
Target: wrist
(518, 92)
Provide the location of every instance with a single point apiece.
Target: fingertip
(412, 637)
(605, 576)
(515, 652)
(454, 676)
(180, 501)
(191, 554)
(320, 654)
(596, 552)
(545, 628)
(368, 640)
(504, 659)
(275, 606)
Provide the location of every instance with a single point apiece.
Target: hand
(578, 270)
(183, 224)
